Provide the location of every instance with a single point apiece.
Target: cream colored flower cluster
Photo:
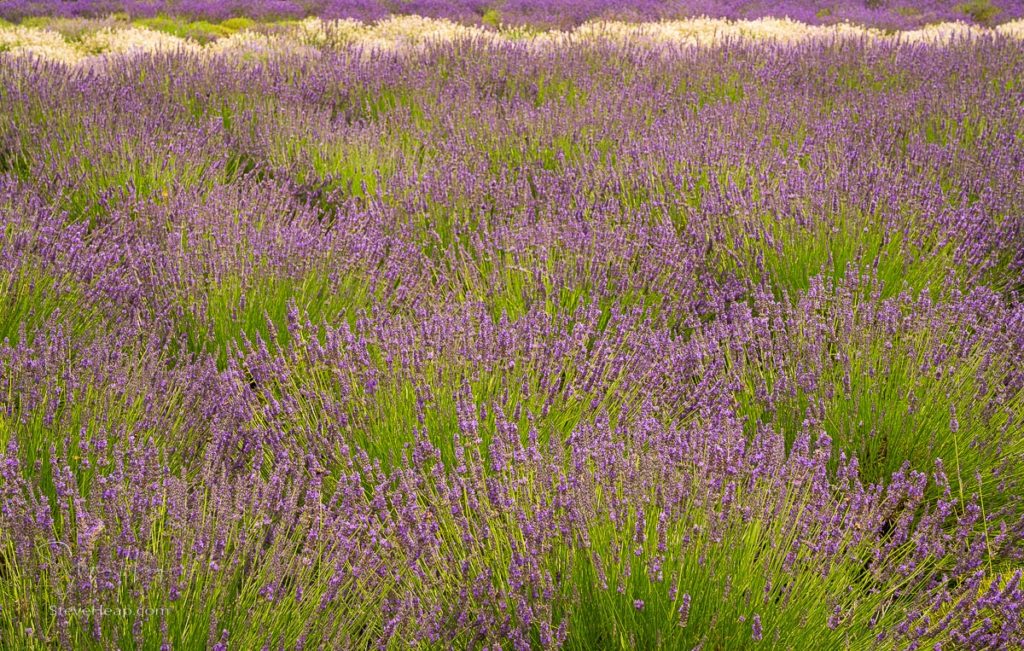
(411, 33)
(396, 33)
(709, 32)
(133, 39)
(42, 43)
(1013, 29)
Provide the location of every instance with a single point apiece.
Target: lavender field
(582, 325)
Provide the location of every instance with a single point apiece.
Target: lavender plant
(610, 343)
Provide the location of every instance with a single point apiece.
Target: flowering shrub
(412, 333)
(82, 42)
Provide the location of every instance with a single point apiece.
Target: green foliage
(980, 11)
(218, 318)
(201, 31)
(492, 17)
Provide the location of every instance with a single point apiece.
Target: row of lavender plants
(893, 14)
(488, 347)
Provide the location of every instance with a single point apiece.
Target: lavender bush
(608, 344)
(561, 13)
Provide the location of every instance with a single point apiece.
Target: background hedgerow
(473, 343)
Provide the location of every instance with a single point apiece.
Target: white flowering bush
(412, 33)
(132, 39)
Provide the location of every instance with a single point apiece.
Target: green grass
(201, 31)
(980, 11)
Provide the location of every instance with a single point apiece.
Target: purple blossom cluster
(558, 13)
(494, 347)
